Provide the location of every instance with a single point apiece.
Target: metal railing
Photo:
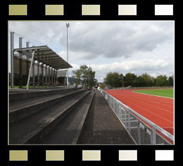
(141, 130)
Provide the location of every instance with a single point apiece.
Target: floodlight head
(67, 25)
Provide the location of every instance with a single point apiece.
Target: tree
(86, 74)
(170, 81)
(153, 81)
(139, 82)
(121, 76)
(90, 76)
(148, 79)
(129, 79)
(113, 79)
(77, 74)
(162, 80)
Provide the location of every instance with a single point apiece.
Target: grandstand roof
(45, 55)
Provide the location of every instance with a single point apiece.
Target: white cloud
(62, 54)
(122, 46)
(137, 66)
(126, 66)
(153, 75)
(75, 66)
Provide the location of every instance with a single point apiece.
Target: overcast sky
(107, 46)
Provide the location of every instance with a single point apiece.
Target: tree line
(115, 79)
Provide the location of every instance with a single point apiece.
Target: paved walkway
(102, 126)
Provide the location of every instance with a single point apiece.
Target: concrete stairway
(48, 117)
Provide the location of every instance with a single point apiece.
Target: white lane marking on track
(153, 113)
(136, 98)
(154, 96)
(153, 105)
(150, 112)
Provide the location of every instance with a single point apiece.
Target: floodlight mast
(67, 25)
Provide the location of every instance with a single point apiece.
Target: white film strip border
(93, 10)
(91, 155)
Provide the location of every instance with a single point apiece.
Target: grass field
(157, 92)
(22, 86)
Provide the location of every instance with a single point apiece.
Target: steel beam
(42, 73)
(12, 58)
(20, 63)
(28, 81)
(38, 73)
(33, 73)
(46, 75)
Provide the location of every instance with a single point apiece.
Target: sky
(107, 46)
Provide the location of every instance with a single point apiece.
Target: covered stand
(42, 65)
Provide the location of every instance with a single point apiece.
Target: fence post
(120, 111)
(129, 121)
(126, 119)
(153, 136)
(116, 108)
(113, 104)
(139, 132)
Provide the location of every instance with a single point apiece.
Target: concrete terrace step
(69, 129)
(23, 108)
(28, 101)
(20, 94)
(33, 128)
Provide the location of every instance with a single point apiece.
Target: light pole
(67, 25)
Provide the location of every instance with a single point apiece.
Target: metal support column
(12, 58)
(46, 75)
(30, 70)
(42, 79)
(54, 71)
(67, 25)
(56, 78)
(49, 75)
(33, 73)
(20, 63)
(27, 61)
(52, 75)
(38, 74)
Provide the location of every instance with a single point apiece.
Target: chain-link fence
(142, 130)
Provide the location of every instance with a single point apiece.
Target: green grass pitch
(157, 92)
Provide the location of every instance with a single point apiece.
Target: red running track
(158, 110)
